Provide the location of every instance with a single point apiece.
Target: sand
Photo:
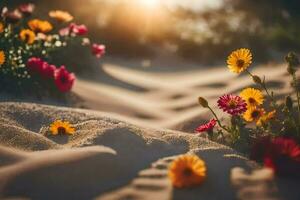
(126, 139)
(169, 99)
(108, 158)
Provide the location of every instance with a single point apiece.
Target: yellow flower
(2, 57)
(1, 27)
(186, 171)
(27, 36)
(61, 16)
(239, 60)
(61, 127)
(253, 114)
(40, 26)
(253, 97)
(266, 117)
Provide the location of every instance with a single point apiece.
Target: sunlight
(150, 3)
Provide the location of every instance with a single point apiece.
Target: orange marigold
(27, 36)
(61, 16)
(187, 171)
(40, 26)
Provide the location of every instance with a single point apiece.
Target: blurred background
(202, 31)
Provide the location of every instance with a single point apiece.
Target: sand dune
(169, 100)
(108, 158)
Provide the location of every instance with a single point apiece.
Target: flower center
(240, 63)
(231, 104)
(255, 114)
(61, 130)
(251, 100)
(63, 79)
(187, 172)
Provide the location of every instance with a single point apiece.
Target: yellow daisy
(253, 97)
(61, 127)
(253, 114)
(2, 57)
(266, 117)
(61, 16)
(1, 27)
(187, 171)
(239, 60)
(27, 36)
(40, 26)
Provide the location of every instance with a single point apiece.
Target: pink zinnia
(232, 104)
(207, 127)
(63, 79)
(98, 50)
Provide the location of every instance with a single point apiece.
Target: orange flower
(187, 171)
(61, 16)
(40, 26)
(27, 36)
(61, 127)
(1, 27)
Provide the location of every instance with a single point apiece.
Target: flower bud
(203, 102)
(257, 80)
(289, 103)
(292, 59)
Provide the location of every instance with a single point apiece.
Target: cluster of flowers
(271, 137)
(25, 42)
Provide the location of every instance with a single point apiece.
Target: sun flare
(150, 3)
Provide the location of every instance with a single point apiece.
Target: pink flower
(27, 9)
(207, 127)
(78, 29)
(13, 16)
(75, 29)
(64, 31)
(98, 50)
(63, 79)
(232, 104)
(35, 64)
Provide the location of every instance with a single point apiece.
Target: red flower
(63, 79)
(283, 156)
(207, 127)
(78, 29)
(75, 29)
(27, 9)
(232, 104)
(48, 70)
(35, 64)
(98, 50)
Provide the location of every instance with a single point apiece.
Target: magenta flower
(35, 64)
(207, 127)
(63, 79)
(74, 29)
(78, 29)
(232, 104)
(48, 70)
(98, 50)
(27, 8)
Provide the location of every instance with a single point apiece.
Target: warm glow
(150, 3)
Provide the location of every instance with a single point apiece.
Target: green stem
(298, 96)
(219, 122)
